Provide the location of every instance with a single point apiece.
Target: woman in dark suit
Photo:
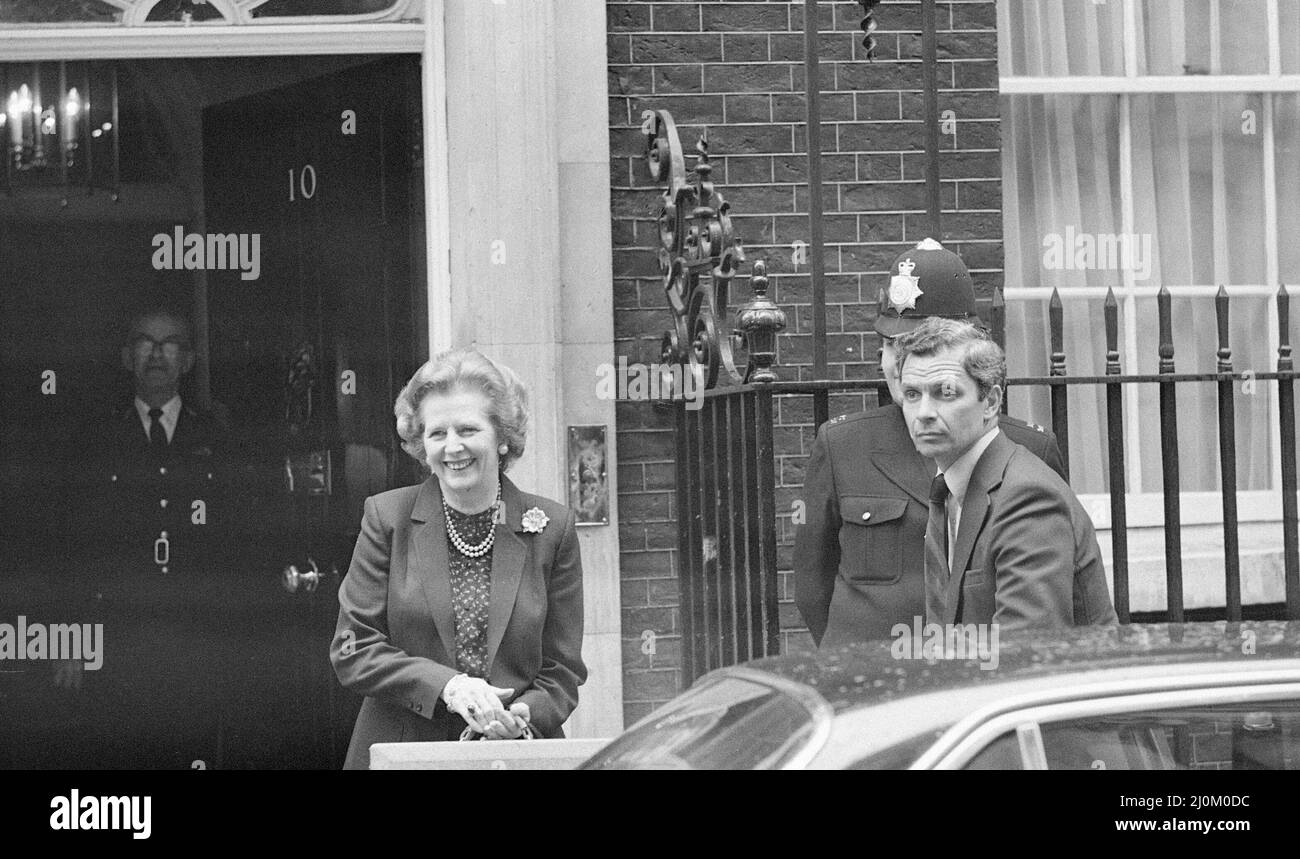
(463, 604)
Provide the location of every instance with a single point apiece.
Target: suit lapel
(986, 477)
(431, 562)
(509, 552)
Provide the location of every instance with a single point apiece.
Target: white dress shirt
(958, 479)
(171, 413)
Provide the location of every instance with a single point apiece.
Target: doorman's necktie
(936, 550)
(157, 432)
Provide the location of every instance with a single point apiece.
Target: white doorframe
(116, 42)
(437, 188)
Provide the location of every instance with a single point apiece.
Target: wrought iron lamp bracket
(699, 255)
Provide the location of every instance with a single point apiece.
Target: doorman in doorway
(148, 534)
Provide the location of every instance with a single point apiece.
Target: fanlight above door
(135, 13)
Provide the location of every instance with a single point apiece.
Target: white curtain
(1198, 199)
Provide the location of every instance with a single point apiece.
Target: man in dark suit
(858, 557)
(148, 510)
(1007, 541)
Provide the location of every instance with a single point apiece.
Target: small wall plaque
(588, 475)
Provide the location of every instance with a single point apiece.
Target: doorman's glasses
(171, 347)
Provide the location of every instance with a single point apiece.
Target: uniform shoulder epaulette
(846, 418)
(1015, 421)
(867, 415)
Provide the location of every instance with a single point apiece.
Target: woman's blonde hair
(468, 370)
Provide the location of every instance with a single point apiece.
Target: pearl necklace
(459, 542)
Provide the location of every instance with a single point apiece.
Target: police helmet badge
(903, 287)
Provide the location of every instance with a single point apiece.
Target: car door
(1231, 726)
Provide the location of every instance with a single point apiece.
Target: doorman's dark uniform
(859, 559)
(149, 534)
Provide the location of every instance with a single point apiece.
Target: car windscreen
(724, 723)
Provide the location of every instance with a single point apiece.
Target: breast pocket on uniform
(873, 548)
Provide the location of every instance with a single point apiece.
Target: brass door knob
(307, 580)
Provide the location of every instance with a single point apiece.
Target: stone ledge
(1262, 573)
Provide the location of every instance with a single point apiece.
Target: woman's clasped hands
(481, 705)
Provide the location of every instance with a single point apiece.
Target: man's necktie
(936, 550)
(157, 433)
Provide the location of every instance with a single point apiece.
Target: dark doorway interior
(319, 159)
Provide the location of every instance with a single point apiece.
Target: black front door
(307, 360)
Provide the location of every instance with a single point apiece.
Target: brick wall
(737, 68)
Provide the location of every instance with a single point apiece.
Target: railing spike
(1221, 318)
(1169, 463)
(1287, 429)
(1059, 398)
(1110, 310)
(1228, 460)
(1163, 305)
(1284, 320)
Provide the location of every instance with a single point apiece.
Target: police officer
(859, 557)
(147, 511)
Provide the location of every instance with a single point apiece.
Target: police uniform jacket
(147, 543)
(148, 551)
(125, 496)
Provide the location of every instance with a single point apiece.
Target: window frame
(1145, 504)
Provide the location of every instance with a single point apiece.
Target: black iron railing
(727, 519)
(726, 481)
(726, 529)
(1167, 379)
(725, 455)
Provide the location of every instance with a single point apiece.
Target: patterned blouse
(471, 591)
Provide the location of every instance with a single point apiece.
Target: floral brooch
(535, 520)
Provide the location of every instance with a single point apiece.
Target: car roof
(871, 673)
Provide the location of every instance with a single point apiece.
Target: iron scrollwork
(699, 254)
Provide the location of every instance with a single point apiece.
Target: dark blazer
(1026, 553)
(859, 556)
(122, 495)
(395, 640)
(168, 648)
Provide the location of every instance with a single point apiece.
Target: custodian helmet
(927, 280)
